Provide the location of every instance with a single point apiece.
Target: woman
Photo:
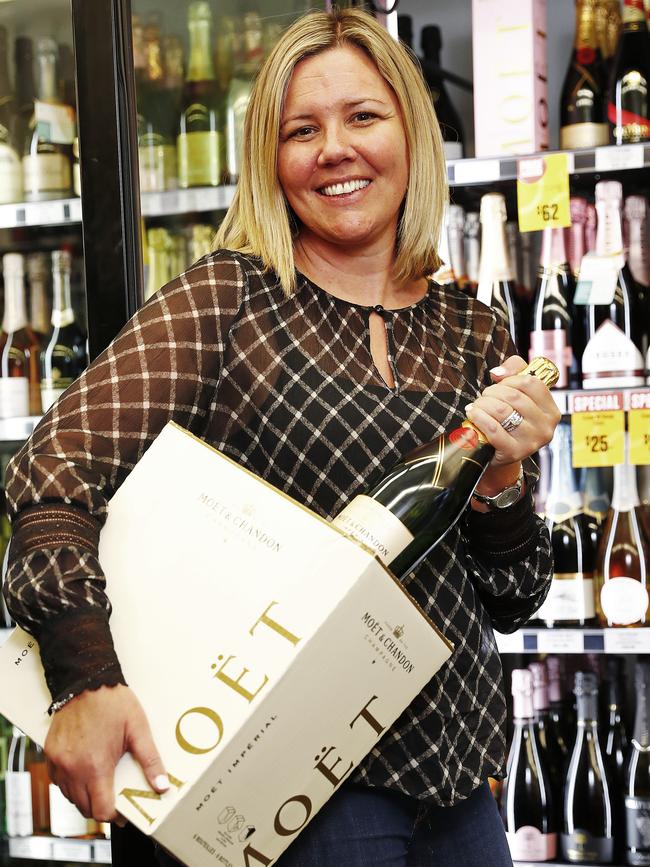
(311, 348)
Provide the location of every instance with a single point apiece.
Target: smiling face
(343, 156)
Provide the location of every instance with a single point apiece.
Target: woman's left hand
(525, 395)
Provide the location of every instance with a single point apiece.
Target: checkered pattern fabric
(288, 388)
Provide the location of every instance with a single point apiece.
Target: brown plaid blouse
(287, 387)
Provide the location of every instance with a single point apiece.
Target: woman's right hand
(87, 738)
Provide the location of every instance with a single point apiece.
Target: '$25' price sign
(543, 192)
(598, 429)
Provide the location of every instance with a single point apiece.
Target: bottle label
(11, 176)
(553, 345)
(199, 159)
(14, 396)
(637, 820)
(571, 597)
(583, 135)
(46, 173)
(529, 844)
(157, 165)
(581, 847)
(367, 521)
(18, 788)
(56, 122)
(611, 360)
(65, 818)
(624, 601)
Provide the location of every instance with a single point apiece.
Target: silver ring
(513, 421)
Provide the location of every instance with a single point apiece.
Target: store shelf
(58, 212)
(16, 430)
(532, 640)
(55, 849)
(592, 400)
(186, 201)
(589, 161)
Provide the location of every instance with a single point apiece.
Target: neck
(362, 278)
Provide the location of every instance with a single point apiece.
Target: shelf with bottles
(41, 848)
(178, 202)
(56, 212)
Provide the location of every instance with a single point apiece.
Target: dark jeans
(364, 827)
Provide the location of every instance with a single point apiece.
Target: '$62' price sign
(598, 429)
(543, 192)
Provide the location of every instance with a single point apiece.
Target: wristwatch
(507, 497)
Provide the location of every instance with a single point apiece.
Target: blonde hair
(259, 219)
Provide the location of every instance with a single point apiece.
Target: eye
(364, 116)
(301, 132)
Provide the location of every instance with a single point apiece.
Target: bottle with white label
(622, 563)
(527, 807)
(18, 788)
(11, 172)
(638, 258)
(496, 286)
(47, 160)
(65, 818)
(637, 777)
(612, 356)
(63, 358)
(19, 347)
(570, 601)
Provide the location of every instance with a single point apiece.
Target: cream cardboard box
(270, 652)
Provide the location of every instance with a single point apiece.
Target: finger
(511, 366)
(120, 821)
(498, 409)
(143, 749)
(78, 794)
(509, 449)
(102, 798)
(517, 396)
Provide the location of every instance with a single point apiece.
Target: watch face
(508, 497)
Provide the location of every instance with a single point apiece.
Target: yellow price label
(598, 429)
(638, 426)
(543, 192)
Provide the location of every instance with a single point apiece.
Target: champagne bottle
(628, 107)
(496, 279)
(615, 745)
(18, 787)
(201, 241)
(240, 90)
(552, 327)
(575, 234)
(527, 807)
(643, 478)
(64, 357)
(444, 276)
(37, 768)
(423, 495)
(200, 141)
(587, 835)
(173, 59)
(612, 356)
(38, 273)
(472, 249)
(557, 710)
(621, 565)
(596, 486)
(637, 776)
(570, 601)
(156, 147)
(11, 172)
(25, 88)
(448, 118)
(582, 110)
(456, 225)
(638, 259)
(552, 756)
(19, 347)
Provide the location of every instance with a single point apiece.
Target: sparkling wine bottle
(472, 248)
(240, 90)
(527, 807)
(638, 259)
(552, 755)
(582, 106)
(587, 833)
(557, 710)
(637, 775)
(643, 479)
(612, 356)
(570, 601)
(496, 279)
(456, 224)
(11, 172)
(628, 107)
(552, 326)
(18, 787)
(420, 499)
(448, 118)
(596, 486)
(621, 565)
(38, 272)
(614, 744)
(19, 347)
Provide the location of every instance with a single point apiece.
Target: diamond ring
(513, 421)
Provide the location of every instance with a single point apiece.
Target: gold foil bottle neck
(543, 369)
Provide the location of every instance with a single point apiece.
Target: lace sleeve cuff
(503, 536)
(51, 526)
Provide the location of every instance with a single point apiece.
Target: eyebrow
(353, 103)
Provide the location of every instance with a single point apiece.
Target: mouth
(347, 188)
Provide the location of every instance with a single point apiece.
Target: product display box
(270, 652)
(510, 88)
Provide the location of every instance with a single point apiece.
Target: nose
(336, 145)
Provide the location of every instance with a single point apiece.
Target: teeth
(341, 189)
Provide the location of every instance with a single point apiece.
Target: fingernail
(498, 371)
(120, 821)
(161, 782)
(469, 407)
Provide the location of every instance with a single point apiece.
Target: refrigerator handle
(108, 148)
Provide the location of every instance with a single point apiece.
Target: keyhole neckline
(384, 312)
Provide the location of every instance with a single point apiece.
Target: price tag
(69, 851)
(597, 278)
(543, 192)
(510, 643)
(560, 641)
(638, 426)
(613, 159)
(476, 171)
(627, 641)
(598, 429)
